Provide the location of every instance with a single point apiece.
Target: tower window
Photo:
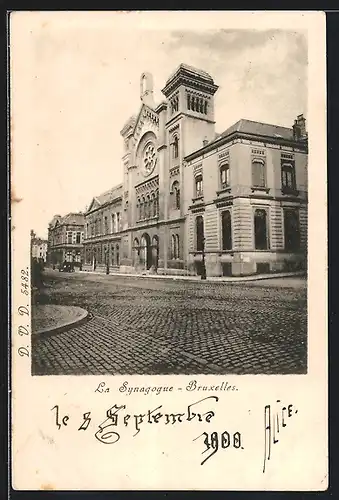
(175, 147)
(188, 101)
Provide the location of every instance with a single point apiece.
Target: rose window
(149, 158)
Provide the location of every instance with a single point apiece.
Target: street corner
(52, 318)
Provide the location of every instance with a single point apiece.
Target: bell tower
(190, 95)
(146, 89)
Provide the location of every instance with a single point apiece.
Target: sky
(82, 84)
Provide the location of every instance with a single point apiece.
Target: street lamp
(203, 266)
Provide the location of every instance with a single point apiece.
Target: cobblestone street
(161, 326)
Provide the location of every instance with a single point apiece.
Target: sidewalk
(52, 318)
(210, 279)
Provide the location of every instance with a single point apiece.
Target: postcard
(169, 246)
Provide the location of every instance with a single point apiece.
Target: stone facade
(103, 224)
(39, 249)
(65, 239)
(235, 201)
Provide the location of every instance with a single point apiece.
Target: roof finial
(146, 89)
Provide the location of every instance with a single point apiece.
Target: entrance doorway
(146, 250)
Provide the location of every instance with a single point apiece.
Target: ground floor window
(291, 230)
(226, 230)
(260, 229)
(199, 223)
(175, 252)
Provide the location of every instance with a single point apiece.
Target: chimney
(299, 128)
(302, 124)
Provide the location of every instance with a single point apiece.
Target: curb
(65, 326)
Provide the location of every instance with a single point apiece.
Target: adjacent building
(38, 248)
(233, 203)
(65, 239)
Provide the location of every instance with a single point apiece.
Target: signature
(275, 420)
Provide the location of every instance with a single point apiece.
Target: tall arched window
(199, 226)
(288, 176)
(226, 226)
(175, 192)
(112, 255)
(260, 229)
(175, 252)
(188, 101)
(201, 105)
(224, 176)
(205, 107)
(142, 208)
(193, 103)
(258, 173)
(175, 146)
(147, 207)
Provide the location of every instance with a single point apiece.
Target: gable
(147, 120)
(94, 204)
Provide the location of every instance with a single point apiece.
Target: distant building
(65, 239)
(234, 203)
(102, 229)
(38, 248)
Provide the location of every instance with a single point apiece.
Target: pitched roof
(106, 197)
(195, 71)
(109, 195)
(73, 218)
(258, 128)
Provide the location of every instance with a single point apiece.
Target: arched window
(201, 106)
(147, 207)
(291, 230)
(288, 176)
(199, 226)
(142, 208)
(188, 101)
(175, 146)
(118, 255)
(224, 176)
(175, 193)
(205, 107)
(258, 173)
(175, 246)
(198, 186)
(226, 229)
(112, 255)
(260, 229)
(193, 103)
(138, 208)
(154, 205)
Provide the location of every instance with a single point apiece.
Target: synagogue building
(233, 203)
